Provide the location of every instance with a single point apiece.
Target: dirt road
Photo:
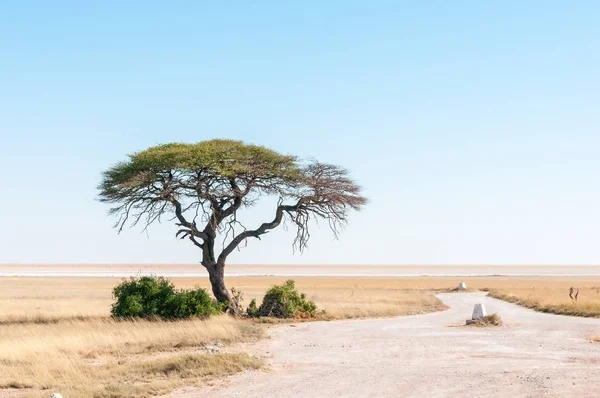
(430, 355)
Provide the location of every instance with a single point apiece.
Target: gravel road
(429, 355)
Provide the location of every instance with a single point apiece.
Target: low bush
(156, 297)
(252, 309)
(283, 301)
(189, 303)
(142, 297)
(487, 321)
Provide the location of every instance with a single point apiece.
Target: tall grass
(84, 358)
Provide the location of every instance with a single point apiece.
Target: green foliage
(217, 158)
(189, 303)
(142, 297)
(156, 297)
(283, 301)
(227, 158)
(252, 309)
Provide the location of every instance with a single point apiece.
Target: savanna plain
(56, 333)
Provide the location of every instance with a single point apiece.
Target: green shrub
(252, 309)
(142, 297)
(189, 303)
(156, 297)
(283, 301)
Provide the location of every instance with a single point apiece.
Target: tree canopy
(203, 185)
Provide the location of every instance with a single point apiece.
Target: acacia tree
(202, 187)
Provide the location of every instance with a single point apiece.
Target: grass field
(102, 357)
(27, 299)
(551, 295)
(55, 333)
(39, 299)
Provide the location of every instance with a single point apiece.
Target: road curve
(429, 355)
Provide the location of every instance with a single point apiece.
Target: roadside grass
(374, 303)
(105, 358)
(341, 304)
(457, 290)
(492, 320)
(136, 379)
(554, 300)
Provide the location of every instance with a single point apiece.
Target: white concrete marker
(479, 311)
(462, 286)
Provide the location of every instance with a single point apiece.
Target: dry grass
(369, 302)
(45, 299)
(55, 333)
(492, 320)
(142, 378)
(89, 358)
(119, 379)
(552, 296)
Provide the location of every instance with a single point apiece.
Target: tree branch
(185, 223)
(256, 233)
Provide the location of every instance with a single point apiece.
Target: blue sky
(473, 126)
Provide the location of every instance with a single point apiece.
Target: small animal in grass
(573, 294)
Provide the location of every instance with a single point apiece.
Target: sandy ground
(196, 270)
(432, 355)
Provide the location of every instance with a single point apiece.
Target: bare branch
(324, 192)
(255, 233)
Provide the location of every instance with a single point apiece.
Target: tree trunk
(216, 275)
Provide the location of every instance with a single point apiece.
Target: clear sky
(474, 126)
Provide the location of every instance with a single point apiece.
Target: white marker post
(478, 312)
